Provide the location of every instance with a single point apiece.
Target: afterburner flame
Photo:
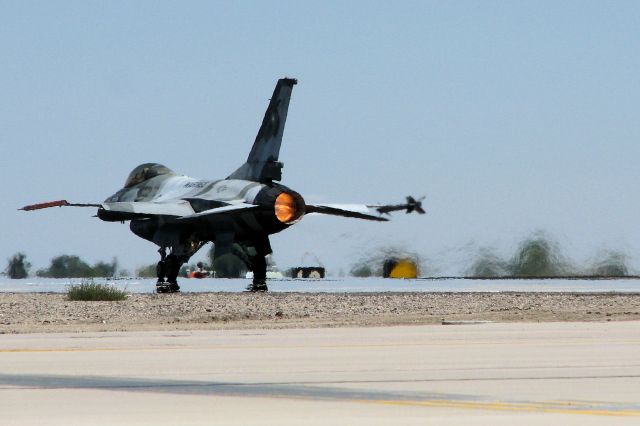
(286, 208)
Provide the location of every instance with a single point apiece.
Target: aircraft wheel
(162, 288)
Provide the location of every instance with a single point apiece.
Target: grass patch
(90, 291)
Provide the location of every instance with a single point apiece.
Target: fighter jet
(180, 214)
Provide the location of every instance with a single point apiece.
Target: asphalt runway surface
(498, 374)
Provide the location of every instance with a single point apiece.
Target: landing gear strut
(169, 267)
(259, 267)
(258, 264)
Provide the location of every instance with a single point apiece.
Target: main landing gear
(254, 257)
(259, 267)
(168, 267)
(257, 262)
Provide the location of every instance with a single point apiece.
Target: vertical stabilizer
(262, 164)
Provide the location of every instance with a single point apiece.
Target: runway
(498, 374)
(340, 285)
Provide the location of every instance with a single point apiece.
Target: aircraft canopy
(145, 172)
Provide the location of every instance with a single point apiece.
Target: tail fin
(262, 164)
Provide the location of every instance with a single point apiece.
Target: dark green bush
(18, 266)
(611, 264)
(538, 256)
(71, 266)
(487, 265)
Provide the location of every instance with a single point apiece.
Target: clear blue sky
(510, 117)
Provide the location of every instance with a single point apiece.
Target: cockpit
(145, 172)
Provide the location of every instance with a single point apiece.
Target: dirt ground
(52, 312)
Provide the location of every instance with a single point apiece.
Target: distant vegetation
(18, 267)
(487, 264)
(229, 265)
(68, 266)
(610, 263)
(149, 271)
(361, 270)
(536, 256)
(540, 256)
(90, 291)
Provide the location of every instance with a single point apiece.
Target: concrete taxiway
(498, 374)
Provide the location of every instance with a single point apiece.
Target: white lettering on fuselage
(198, 184)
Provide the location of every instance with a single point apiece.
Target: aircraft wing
(134, 208)
(144, 208)
(181, 210)
(366, 211)
(358, 211)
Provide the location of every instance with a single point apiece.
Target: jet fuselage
(270, 208)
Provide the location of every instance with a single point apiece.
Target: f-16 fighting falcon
(180, 214)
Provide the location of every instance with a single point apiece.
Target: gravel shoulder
(52, 312)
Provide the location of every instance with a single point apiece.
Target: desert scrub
(88, 290)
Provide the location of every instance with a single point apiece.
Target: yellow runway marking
(514, 406)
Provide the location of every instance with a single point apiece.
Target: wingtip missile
(415, 205)
(412, 205)
(59, 203)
